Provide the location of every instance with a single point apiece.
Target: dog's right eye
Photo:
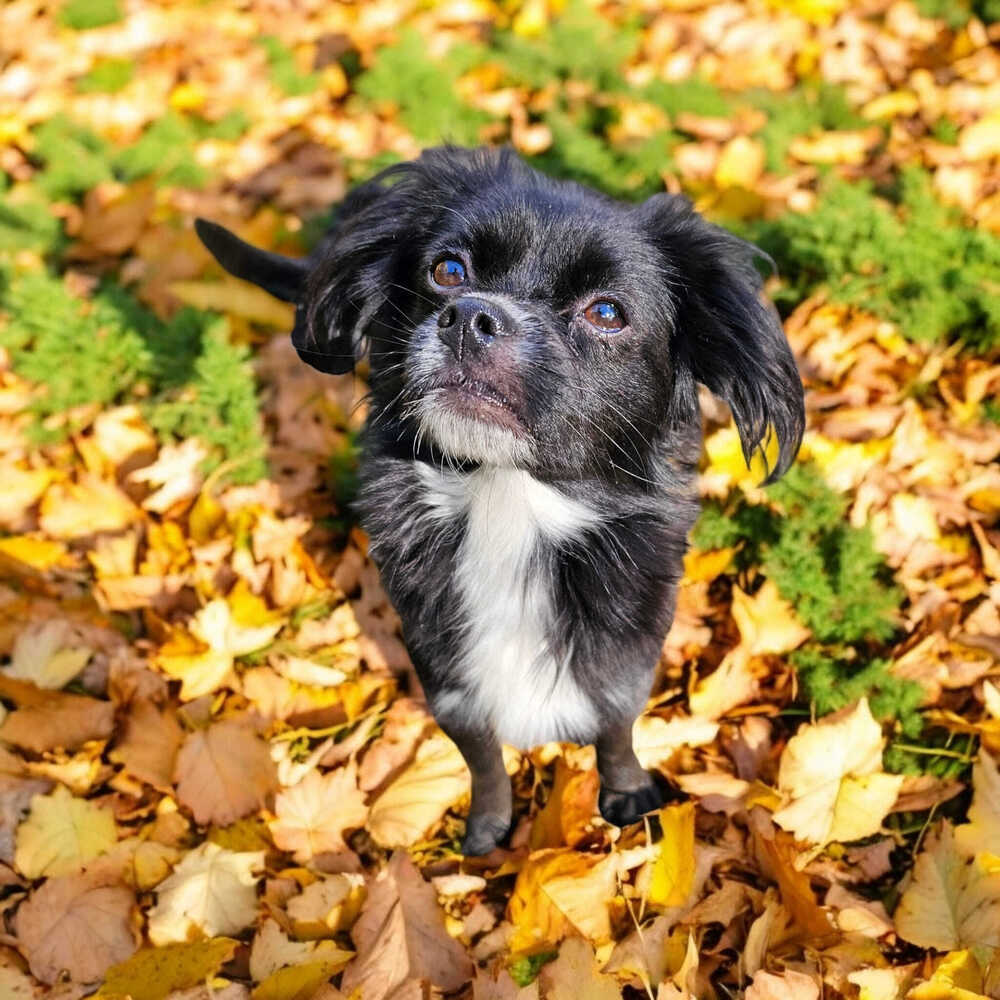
(448, 273)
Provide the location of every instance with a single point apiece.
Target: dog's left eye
(605, 315)
(448, 273)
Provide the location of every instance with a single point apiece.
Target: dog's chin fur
(459, 438)
(528, 479)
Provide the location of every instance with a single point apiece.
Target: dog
(529, 459)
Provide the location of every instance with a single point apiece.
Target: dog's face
(515, 320)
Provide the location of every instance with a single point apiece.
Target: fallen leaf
(328, 905)
(789, 985)
(831, 775)
(982, 832)
(176, 473)
(401, 935)
(78, 924)
(149, 743)
(87, 507)
(574, 975)
(412, 804)
(224, 772)
(51, 720)
(272, 950)
(153, 973)
(61, 834)
(655, 740)
(952, 901)
(673, 867)
(312, 816)
(211, 892)
(43, 654)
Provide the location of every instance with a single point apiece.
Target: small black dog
(529, 459)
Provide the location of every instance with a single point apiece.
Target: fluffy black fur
(587, 438)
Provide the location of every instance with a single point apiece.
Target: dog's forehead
(569, 241)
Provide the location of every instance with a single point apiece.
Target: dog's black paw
(623, 808)
(483, 833)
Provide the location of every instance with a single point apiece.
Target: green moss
(74, 158)
(107, 77)
(110, 349)
(83, 14)
(230, 127)
(801, 111)
(830, 680)
(424, 90)
(695, 96)
(524, 971)
(164, 149)
(578, 45)
(957, 13)
(912, 261)
(285, 74)
(945, 130)
(28, 225)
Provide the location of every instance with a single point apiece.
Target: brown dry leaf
(49, 720)
(329, 905)
(789, 985)
(272, 950)
(982, 832)
(114, 217)
(574, 975)
(81, 924)
(780, 855)
(312, 816)
(401, 935)
(415, 802)
(224, 772)
(87, 507)
(149, 743)
(48, 653)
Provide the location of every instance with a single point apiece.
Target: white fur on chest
(509, 673)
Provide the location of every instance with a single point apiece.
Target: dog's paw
(483, 833)
(623, 808)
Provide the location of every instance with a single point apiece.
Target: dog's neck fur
(504, 583)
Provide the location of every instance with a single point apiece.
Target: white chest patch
(509, 672)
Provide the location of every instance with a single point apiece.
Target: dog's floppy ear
(285, 279)
(725, 335)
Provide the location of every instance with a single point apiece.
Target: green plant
(285, 74)
(74, 158)
(164, 149)
(189, 379)
(107, 77)
(911, 260)
(805, 109)
(83, 14)
(424, 90)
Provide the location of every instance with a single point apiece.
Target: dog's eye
(448, 273)
(605, 316)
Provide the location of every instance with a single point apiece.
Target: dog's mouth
(479, 400)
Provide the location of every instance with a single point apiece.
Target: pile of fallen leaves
(217, 773)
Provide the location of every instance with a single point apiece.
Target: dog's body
(528, 463)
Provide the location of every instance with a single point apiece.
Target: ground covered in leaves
(216, 772)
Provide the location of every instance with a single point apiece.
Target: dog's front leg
(490, 810)
(627, 791)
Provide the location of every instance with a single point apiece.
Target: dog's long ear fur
(725, 335)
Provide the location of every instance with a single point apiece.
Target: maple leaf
(401, 935)
(215, 625)
(415, 801)
(982, 832)
(952, 901)
(61, 834)
(80, 924)
(831, 774)
(272, 950)
(43, 655)
(176, 473)
(574, 975)
(224, 772)
(211, 892)
(311, 817)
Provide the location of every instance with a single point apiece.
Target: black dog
(528, 463)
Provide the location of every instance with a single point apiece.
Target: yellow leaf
(981, 139)
(21, 489)
(176, 474)
(767, 623)
(236, 298)
(982, 832)
(741, 163)
(212, 891)
(43, 655)
(40, 554)
(830, 774)
(312, 816)
(957, 977)
(273, 950)
(298, 982)
(121, 432)
(90, 506)
(897, 103)
(952, 902)
(410, 807)
(61, 834)
(329, 905)
(655, 740)
(673, 869)
(699, 566)
(153, 973)
(850, 147)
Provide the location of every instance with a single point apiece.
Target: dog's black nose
(470, 324)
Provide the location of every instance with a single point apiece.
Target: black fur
(609, 421)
